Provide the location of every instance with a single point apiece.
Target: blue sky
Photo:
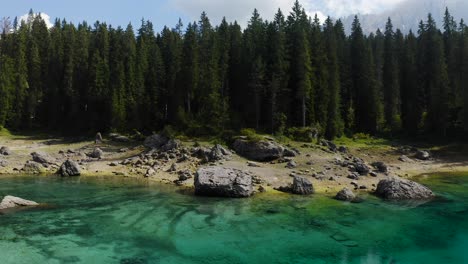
(167, 12)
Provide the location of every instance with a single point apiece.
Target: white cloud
(241, 10)
(44, 16)
(341, 8)
(321, 16)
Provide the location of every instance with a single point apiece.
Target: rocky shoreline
(213, 170)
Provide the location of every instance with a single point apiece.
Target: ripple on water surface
(93, 220)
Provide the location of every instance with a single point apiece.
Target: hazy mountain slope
(407, 15)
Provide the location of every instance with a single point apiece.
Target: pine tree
(390, 79)
(301, 68)
(321, 92)
(412, 104)
(435, 78)
(190, 66)
(277, 70)
(344, 63)
(17, 114)
(6, 88)
(364, 84)
(334, 124)
(255, 63)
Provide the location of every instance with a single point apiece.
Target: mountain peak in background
(407, 15)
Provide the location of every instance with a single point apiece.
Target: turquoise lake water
(92, 220)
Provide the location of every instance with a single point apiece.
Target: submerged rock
(345, 195)
(69, 168)
(258, 150)
(401, 189)
(12, 202)
(223, 182)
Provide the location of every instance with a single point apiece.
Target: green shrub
(362, 136)
(303, 134)
(169, 132)
(251, 134)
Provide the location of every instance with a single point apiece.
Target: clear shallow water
(108, 221)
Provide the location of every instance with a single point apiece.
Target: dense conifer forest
(204, 79)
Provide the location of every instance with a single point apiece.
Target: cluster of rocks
(333, 147)
(9, 202)
(165, 154)
(415, 153)
(393, 188)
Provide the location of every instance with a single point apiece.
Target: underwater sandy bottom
(95, 220)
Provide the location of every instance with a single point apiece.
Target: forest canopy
(204, 79)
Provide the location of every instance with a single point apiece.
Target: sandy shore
(316, 163)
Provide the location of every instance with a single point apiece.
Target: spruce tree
(334, 124)
(390, 79)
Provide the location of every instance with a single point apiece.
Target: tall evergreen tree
(364, 84)
(390, 79)
(334, 125)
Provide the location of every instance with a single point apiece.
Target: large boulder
(12, 202)
(32, 167)
(5, 151)
(69, 168)
(218, 153)
(155, 141)
(345, 195)
(42, 158)
(361, 168)
(223, 182)
(258, 150)
(302, 186)
(170, 145)
(96, 153)
(380, 166)
(401, 189)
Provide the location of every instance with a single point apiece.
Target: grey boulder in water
(13, 202)
(401, 189)
(223, 182)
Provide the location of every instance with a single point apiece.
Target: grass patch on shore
(4, 132)
(364, 142)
